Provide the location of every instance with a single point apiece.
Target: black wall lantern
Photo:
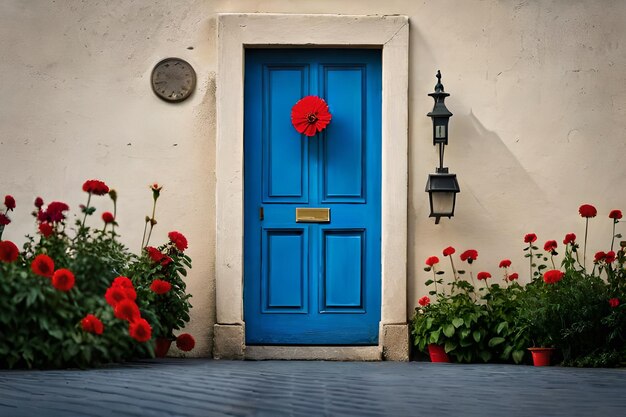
(442, 187)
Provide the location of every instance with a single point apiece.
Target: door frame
(239, 31)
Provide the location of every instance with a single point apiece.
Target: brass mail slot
(312, 215)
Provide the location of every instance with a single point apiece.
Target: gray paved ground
(199, 387)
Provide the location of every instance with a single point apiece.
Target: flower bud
(113, 195)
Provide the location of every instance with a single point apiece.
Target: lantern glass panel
(443, 203)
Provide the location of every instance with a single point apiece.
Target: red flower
(609, 258)
(140, 330)
(114, 295)
(469, 255)
(43, 265)
(614, 302)
(587, 210)
(424, 301)
(569, 238)
(448, 251)
(432, 261)
(178, 240)
(92, 324)
(8, 251)
(154, 253)
(127, 310)
(185, 342)
(107, 217)
(4, 219)
(552, 276)
(63, 280)
(45, 229)
(599, 257)
(505, 263)
(126, 284)
(550, 246)
(483, 275)
(615, 214)
(530, 238)
(54, 212)
(38, 202)
(310, 115)
(9, 202)
(513, 276)
(96, 187)
(159, 286)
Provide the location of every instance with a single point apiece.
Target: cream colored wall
(538, 95)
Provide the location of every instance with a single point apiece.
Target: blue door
(312, 283)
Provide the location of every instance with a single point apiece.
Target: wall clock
(173, 79)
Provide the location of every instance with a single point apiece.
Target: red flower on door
(310, 115)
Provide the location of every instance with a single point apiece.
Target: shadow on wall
(496, 188)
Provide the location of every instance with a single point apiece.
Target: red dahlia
(599, 257)
(43, 265)
(310, 115)
(513, 276)
(615, 214)
(432, 261)
(4, 219)
(159, 286)
(39, 202)
(448, 251)
(185, 342)
(8, 251)
(114, 295)
(469, 255)
(552, 276)
(587, 210)
(127, 310)
(609, 258)
(550, 246)
(140, 330)
(45, 229)
(424, 301)
(178, 239)
(483, 275)
(126, 284)
(54, 212)
(92, 324)
(9, 202)
(505, 263)
(530, 238)
(63, 280)
(107, 217)
(96, 187)
(569, 238)
(614, 302)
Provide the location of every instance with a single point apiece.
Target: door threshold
(308, 353)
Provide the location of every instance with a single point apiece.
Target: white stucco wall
(538, 92)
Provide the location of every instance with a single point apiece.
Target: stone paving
(203, 387)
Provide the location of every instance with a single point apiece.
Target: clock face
(173, 79)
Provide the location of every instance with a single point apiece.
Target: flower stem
(82, 226)
(530, 260)
(613, 236)
(153, 222)
(552, 260)
(585, 247)
(143, 239)
(435, 280)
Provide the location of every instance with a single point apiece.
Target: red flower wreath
(310, 115)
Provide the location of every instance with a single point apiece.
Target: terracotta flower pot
(162, 347)
(438, 354)
(541, 355)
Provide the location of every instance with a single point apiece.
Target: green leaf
(507, 352)
(429, 323)
(440, 272)
(476, 335)
(430, 281)
(427, 268)
(495, 341)
(448, 330)
(502, 326)
(518, 355)
(485, 355)
(619, 235)
(433, 292)
(457, 322)
(465, 333)
(450, 346)
(434, 336)
(465, 342)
